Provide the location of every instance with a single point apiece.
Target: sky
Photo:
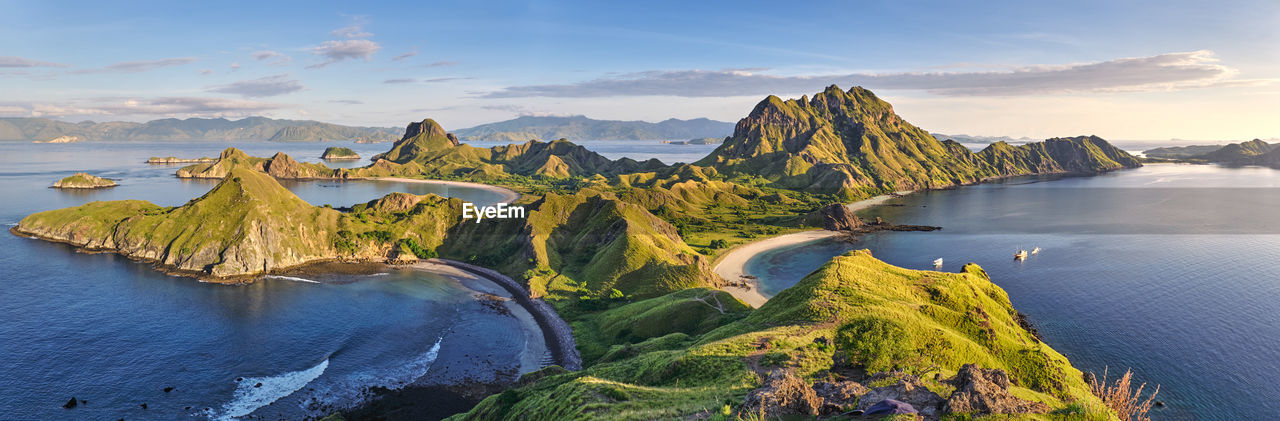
(1193, 70)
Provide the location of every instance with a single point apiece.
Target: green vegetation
(669, 364)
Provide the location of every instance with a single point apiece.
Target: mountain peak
(428, 126)
(426, 136)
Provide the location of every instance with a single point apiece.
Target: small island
(699, 141)
(83, 181)
(176, 160)
(337, 153)
(61, 139)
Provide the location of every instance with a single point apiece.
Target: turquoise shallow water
(114, 332)
(1169, 269)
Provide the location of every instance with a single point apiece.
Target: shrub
(718, 243)
(875, 343)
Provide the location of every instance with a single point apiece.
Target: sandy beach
(508, 195)
(732, 266)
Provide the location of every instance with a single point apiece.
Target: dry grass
(1122, 398)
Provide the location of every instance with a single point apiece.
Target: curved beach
(508, 195)
(557, 333)
(733, 265)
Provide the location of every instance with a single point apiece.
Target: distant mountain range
(577, 128)
(1253, 152)
(250, 128)
(964, 138)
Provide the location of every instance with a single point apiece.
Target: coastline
(732, 266)
(537, 344)
(557, 332)
(507, 194)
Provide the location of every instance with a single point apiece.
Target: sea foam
(291, 278)
(248, 398)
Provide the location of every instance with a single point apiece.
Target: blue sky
(1191, 70)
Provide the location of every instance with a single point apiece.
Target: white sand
(508, 195)
(732, 266)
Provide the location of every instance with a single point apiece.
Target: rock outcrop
(835, 217)
(783, 393)
(908, 389)
(83, 181)
(982, 391)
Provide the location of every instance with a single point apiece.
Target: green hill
(1244, 153)
(856, 324)
(527, 128)
(852, 143)
(1180, 152)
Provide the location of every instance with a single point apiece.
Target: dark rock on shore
(835, 217)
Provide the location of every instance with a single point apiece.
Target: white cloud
(335, 51)
(140, 66)
(1161, 72)
(276, 58)
(406, 55)
(354, 30)
(261, 87)
(13, 61)
(144, 107)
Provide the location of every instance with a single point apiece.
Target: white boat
(1020, 255)
(937, 263)
(1035, 250)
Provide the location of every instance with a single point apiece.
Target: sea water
(116, 333)
(1171, 270)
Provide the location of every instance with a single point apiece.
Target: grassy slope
(675, 370)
